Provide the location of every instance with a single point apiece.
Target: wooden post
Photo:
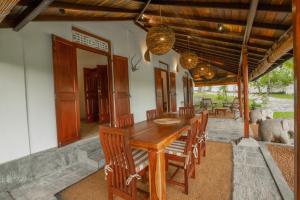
(296, 19)
(246, 96)
(239, 84)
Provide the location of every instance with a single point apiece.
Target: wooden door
(103, 95)
(91, 94)
(173, 104)
(121, 83)
(191, 92)
(66, 91)
(185, 91)
(159, 90)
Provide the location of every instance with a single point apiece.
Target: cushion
(176, 148)
(184, 133)
(140, 158)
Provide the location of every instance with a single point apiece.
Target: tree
(280, 78)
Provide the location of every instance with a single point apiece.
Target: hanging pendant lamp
(210, 74)
(160, 39)
(188, 59)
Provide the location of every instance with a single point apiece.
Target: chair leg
(110, 195)
(186, 181)
(199, 154)
(204, 147)
(166, 164)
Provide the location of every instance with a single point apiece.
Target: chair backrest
(187, 112)
(119, 159)
(204, 121)
(206, 102)
(125, 121)
(152, 114)
(236, 100)
(191, 138)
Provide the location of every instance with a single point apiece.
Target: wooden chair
(125, 121)
(207, 104)
(182, 153)
(187, 112)
(234, 106)
(202, 136)
(152, 114)
(124, 166)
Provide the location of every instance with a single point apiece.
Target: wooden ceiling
(200, 19)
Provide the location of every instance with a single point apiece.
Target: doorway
(93, 86)
(165, 89)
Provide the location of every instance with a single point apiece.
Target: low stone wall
(24, 176)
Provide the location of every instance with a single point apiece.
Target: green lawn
(283, 115)
(282, 96)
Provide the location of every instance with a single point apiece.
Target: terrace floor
(234, 168)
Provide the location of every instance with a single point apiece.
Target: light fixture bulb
(190, 60)
(162, 39)
(202, 68)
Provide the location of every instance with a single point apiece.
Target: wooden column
(239, 84)
(246, 96)
(296, 19)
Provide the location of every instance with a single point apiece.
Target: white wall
(86, 59)
(26, 57)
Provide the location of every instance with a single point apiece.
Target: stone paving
(224, 130)
(281, 105)
(252, 179)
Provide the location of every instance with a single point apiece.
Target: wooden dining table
(154, 137)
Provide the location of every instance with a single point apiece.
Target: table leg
(157, 175)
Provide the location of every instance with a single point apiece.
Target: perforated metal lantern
(160, 39)
(188, 60)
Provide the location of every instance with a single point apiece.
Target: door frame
(168, 84)
(109, 66)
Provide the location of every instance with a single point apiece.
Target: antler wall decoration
(135, 63)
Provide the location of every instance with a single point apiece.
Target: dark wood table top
(150, 135)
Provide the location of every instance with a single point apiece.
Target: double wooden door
(96, 94)
(67, 94)
(66, 91)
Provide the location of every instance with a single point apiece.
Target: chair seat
(176, 148)
(140, 158)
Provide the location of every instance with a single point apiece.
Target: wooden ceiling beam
(223, 40)
(214, 47)
(75, 18)
(213, 44)
(222, 5)
(89, 8)
(176, 25)
(233, 56)
(250, 21)
(279, 49)
(259, 25)
(225, 59)
(31, 12)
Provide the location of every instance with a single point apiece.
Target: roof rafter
(222, 5)
(250, 22)
(199, 28)
(260, 25)
(31, 12)
(234, 55)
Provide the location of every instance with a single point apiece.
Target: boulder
(275, 130)
(260, 115)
